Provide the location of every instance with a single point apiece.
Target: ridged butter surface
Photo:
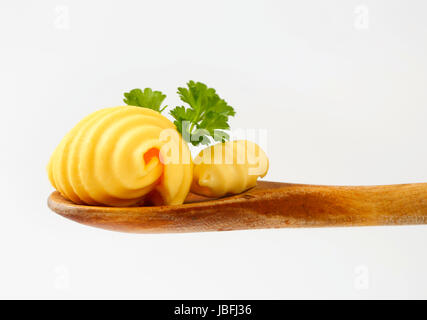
(115, 157)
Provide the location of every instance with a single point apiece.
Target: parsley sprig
(205, 117)
(147, 99)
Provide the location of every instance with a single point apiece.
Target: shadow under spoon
(268, 205)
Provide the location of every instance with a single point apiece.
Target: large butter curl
(228, 168)
(122, 156)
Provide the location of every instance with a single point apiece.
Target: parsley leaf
(146, 99)
(205, 118)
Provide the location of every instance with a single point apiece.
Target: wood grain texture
(269, 205)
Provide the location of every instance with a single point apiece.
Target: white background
(340, 85)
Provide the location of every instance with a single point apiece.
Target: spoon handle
(291, 205)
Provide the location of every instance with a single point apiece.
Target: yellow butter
(116, 157)
(228, 168)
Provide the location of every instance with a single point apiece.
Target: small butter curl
(228, 168)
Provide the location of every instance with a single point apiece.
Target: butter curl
(115, 157)
(228, 168)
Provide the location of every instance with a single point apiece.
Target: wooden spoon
(268, 205)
